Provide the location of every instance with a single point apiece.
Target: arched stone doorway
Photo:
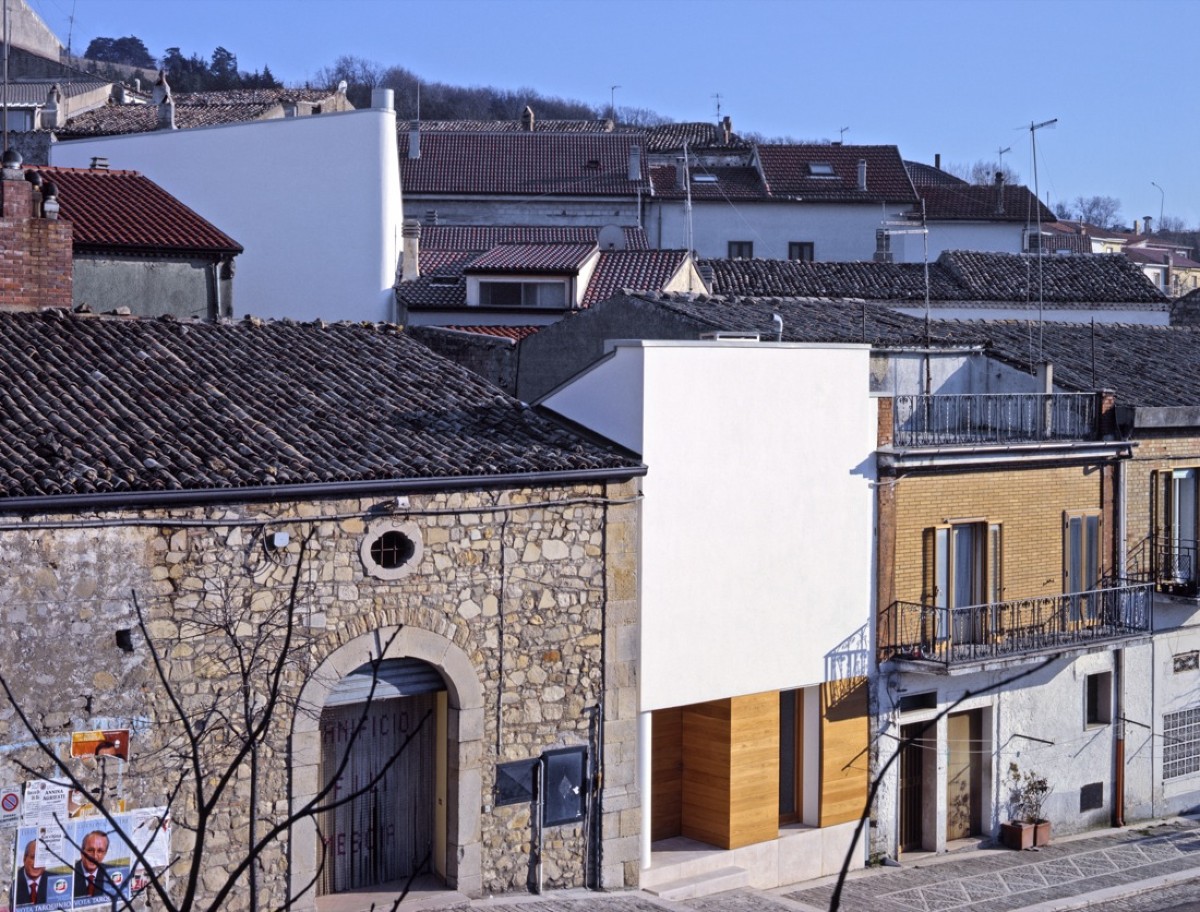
(455, 847)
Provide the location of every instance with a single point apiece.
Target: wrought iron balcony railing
(979, 633)
(980, 418)
(1170, 565)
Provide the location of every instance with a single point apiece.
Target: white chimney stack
(410, 258)
(635, 163)
(862, 174)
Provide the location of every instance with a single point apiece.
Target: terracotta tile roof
(484, 237)
(515, 126)
(124, 211)
(98, 406)
(637, 270)
(192, 109)
(1087, 280)
(923, 175)
(804, 319)
(531, 258)
(29, 93)
(1160, 257)
(873, 281)
(113, 120)
(1144, 365)
(958, 277)
(671, 137)
(522, 163)
(977, 203)
(729, 183)
(516, 333)
(787, 171)
(445, 262)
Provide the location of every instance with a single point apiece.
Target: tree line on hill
(194, 73)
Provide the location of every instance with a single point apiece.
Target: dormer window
(522, 294)
(443, 280)
(593, 164)
(821, 169)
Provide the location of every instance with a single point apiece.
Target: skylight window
(821, 169)
(704, 178)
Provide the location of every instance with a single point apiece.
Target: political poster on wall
(91, 861)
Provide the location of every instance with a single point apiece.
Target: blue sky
(962, 79)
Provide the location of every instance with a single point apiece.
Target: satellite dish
(611, 237)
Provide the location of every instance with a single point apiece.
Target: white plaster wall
(1050, 314)
(992, 237)
(314, 200)
(1034, 715)
(556, 212)
(1178, 622)
(839, 232)
(757, 554)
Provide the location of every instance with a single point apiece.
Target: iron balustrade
(974, 418)
(1171, 565)
(959, 636)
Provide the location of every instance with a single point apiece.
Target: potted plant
(1027, 796)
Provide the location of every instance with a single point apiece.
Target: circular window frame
(409, 530)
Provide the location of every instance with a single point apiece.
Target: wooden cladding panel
(666, 774)
(844, 758)
(731, 770)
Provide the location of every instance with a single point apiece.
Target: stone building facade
(352, 604)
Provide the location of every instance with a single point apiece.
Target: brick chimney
(35, 245)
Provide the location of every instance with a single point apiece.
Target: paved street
(1149, 869)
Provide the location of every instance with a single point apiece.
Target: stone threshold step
(716, 881)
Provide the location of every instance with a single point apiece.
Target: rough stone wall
(538, 587)
(150, 286)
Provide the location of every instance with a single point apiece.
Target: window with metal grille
(1181, 743)
(392, 549)
(741, 250)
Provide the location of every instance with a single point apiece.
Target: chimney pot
(414, 140)
(410, 262)
(862, 174)
(382, 99)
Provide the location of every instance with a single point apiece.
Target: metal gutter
(941, 457)
(51, 503)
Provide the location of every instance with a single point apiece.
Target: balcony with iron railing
(958, 639)
(1169, 565)
(993, 418)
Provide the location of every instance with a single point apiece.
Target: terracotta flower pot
(1016, 835)
(1041, 836)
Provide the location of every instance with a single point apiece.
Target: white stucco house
(315, 201)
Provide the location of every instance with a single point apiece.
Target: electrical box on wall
(564, 796)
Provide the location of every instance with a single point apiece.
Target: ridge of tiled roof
(523, 163)
(647, 270)
(786, 169)
(979, 203)
(960, 277)
(484, 237)
(924, 175)
(27, 93)
(516, 333)
(527, 258)
(119, 406)
(698, 135)
(540, 125)
(126, 211)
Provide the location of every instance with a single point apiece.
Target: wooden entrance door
(912, 787)
(385, 832)
(964, 774)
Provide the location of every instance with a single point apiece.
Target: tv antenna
(612, 101)
(1000, 156)
(842, 134)
(1037, 195)
(717, 96)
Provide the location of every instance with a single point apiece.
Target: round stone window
(391, 549)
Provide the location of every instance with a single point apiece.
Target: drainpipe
(645, 733)
(1119, 504)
